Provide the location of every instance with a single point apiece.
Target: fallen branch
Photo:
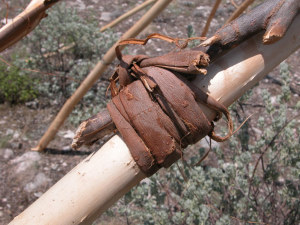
(96, 73)
(127, 14)
(24, 23)
(101, 179)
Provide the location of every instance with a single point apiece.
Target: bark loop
(155, 107)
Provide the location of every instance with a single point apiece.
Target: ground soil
(22, 126)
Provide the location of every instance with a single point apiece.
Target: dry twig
(127, 14)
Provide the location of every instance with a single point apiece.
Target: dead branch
(127, 14)
(273, 16)
(24, 23)
(240, 9)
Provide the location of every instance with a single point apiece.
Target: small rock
(25, 161)
(2, 122)
(7, 153)
(54, 166)
(40, 180)
(67, 148)
(32, 104)
(16, 135)
(69, 134)
(202, 11)
(9, 131)
(106, 16)
(38, 194)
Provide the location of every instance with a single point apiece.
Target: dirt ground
(26, 175)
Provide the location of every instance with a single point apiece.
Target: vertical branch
(211, 16)
(239, 10)
(127, 14)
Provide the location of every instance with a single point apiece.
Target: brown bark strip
(156, 110)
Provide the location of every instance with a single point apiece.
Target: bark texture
(273, 16)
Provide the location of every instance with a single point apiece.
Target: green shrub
(65, 47)
(15, 86)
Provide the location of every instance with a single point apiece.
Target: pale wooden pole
(239, 10)
(127, 14)
(101, 179)
(24, 23)
(94, 75)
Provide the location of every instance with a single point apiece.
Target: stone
(106, 16)
(69, 134)
(202, 11)
(16, 135)
(32, 104)
(7, 153)
(67, 148)
(40, 180)
(25, 161)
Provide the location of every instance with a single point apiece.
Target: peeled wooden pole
(101, 179)
(24, 23)
(127, 14)
(94, 75)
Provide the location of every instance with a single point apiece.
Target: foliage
(65, 47)
(15, 86)
(256, 180)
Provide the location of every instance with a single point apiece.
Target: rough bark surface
(273, 16)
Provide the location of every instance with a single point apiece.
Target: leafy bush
(255, 181)
(65, 47)
(15, 86)
(68, 46)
